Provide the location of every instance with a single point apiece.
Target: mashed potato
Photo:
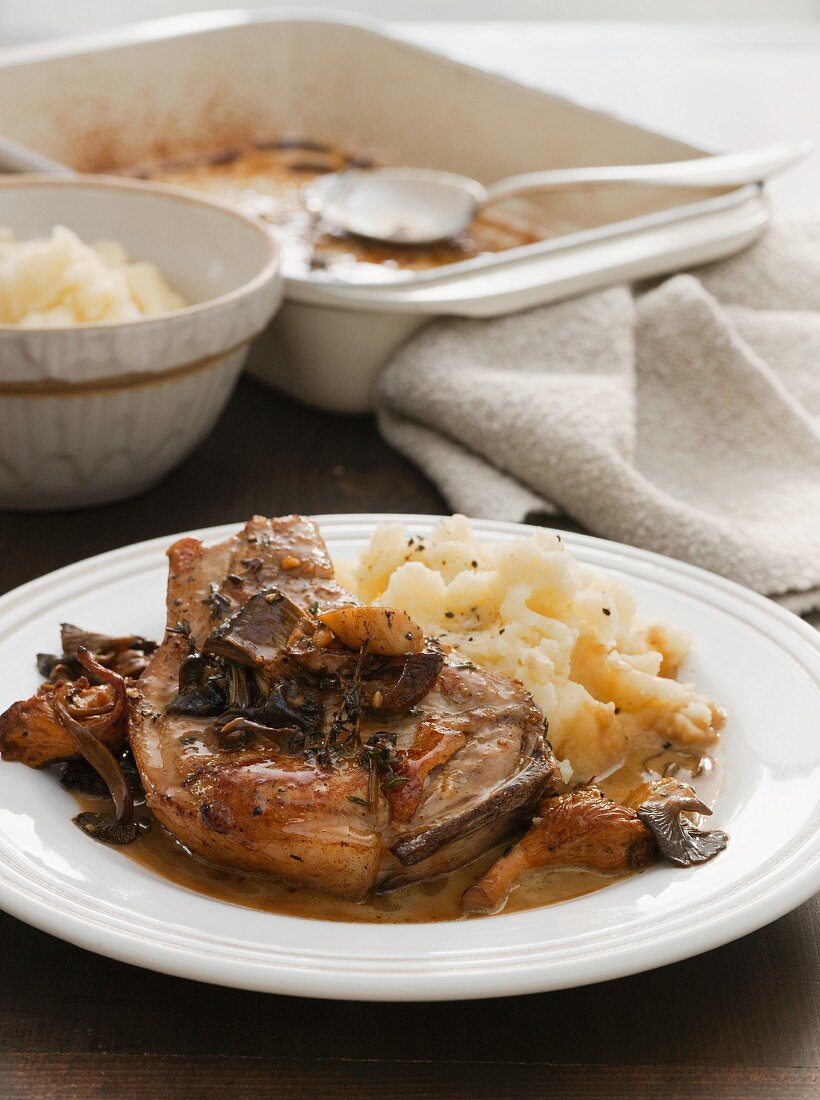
(526, 607)
(59, 280)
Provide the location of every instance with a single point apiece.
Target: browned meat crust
(431, 748)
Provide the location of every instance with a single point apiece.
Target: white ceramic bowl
(94, 413)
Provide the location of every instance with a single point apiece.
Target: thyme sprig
(382, 761)
(217, 602)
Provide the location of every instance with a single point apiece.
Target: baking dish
(204, 83)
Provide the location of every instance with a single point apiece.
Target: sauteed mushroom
(121, 829)
(256, 633)
(580, 829)
(663, 807)
(417, 676)
(202, 689)
(128, 654)
(31, 732)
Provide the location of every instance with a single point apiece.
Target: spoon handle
(15, 157)
(722, 170)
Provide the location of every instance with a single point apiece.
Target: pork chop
(333, 782)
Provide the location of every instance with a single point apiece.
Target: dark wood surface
(742, 1021)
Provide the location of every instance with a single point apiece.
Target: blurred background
(720, 73)
(22, 20)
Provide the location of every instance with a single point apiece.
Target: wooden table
(742, 1021)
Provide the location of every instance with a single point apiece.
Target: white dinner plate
(761, 662)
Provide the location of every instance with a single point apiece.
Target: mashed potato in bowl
(59, 280)
(604, 679)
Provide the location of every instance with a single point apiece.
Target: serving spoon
(423, 205)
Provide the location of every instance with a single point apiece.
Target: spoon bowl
(396, 205)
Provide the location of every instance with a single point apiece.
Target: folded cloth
(684, 419)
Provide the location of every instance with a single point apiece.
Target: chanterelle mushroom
(580, 829)
(587, 830)
(121, 829)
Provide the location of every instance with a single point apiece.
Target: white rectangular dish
(206, 83)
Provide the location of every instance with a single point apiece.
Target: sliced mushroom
(235, 732)
(322, 656)
(57, 666)
(418, 674)
(291, 703)
(78, 775)
(239, 688)
(385, 631)
(257, 633)
(202, 689)
(74, 637)
(121, 829)
(290, 716)
(390, 684)
(663, 807)
(127, 654)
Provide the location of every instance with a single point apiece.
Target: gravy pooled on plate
(436, 900)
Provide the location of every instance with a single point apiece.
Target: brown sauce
(265, 179)
(435, 900)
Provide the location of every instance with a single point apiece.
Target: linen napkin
(684, 419)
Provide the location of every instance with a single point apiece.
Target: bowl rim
(269, 272)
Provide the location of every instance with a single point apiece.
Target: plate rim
(793, 879)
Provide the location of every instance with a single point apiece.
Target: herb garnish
(216, 602)
(380, 758)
